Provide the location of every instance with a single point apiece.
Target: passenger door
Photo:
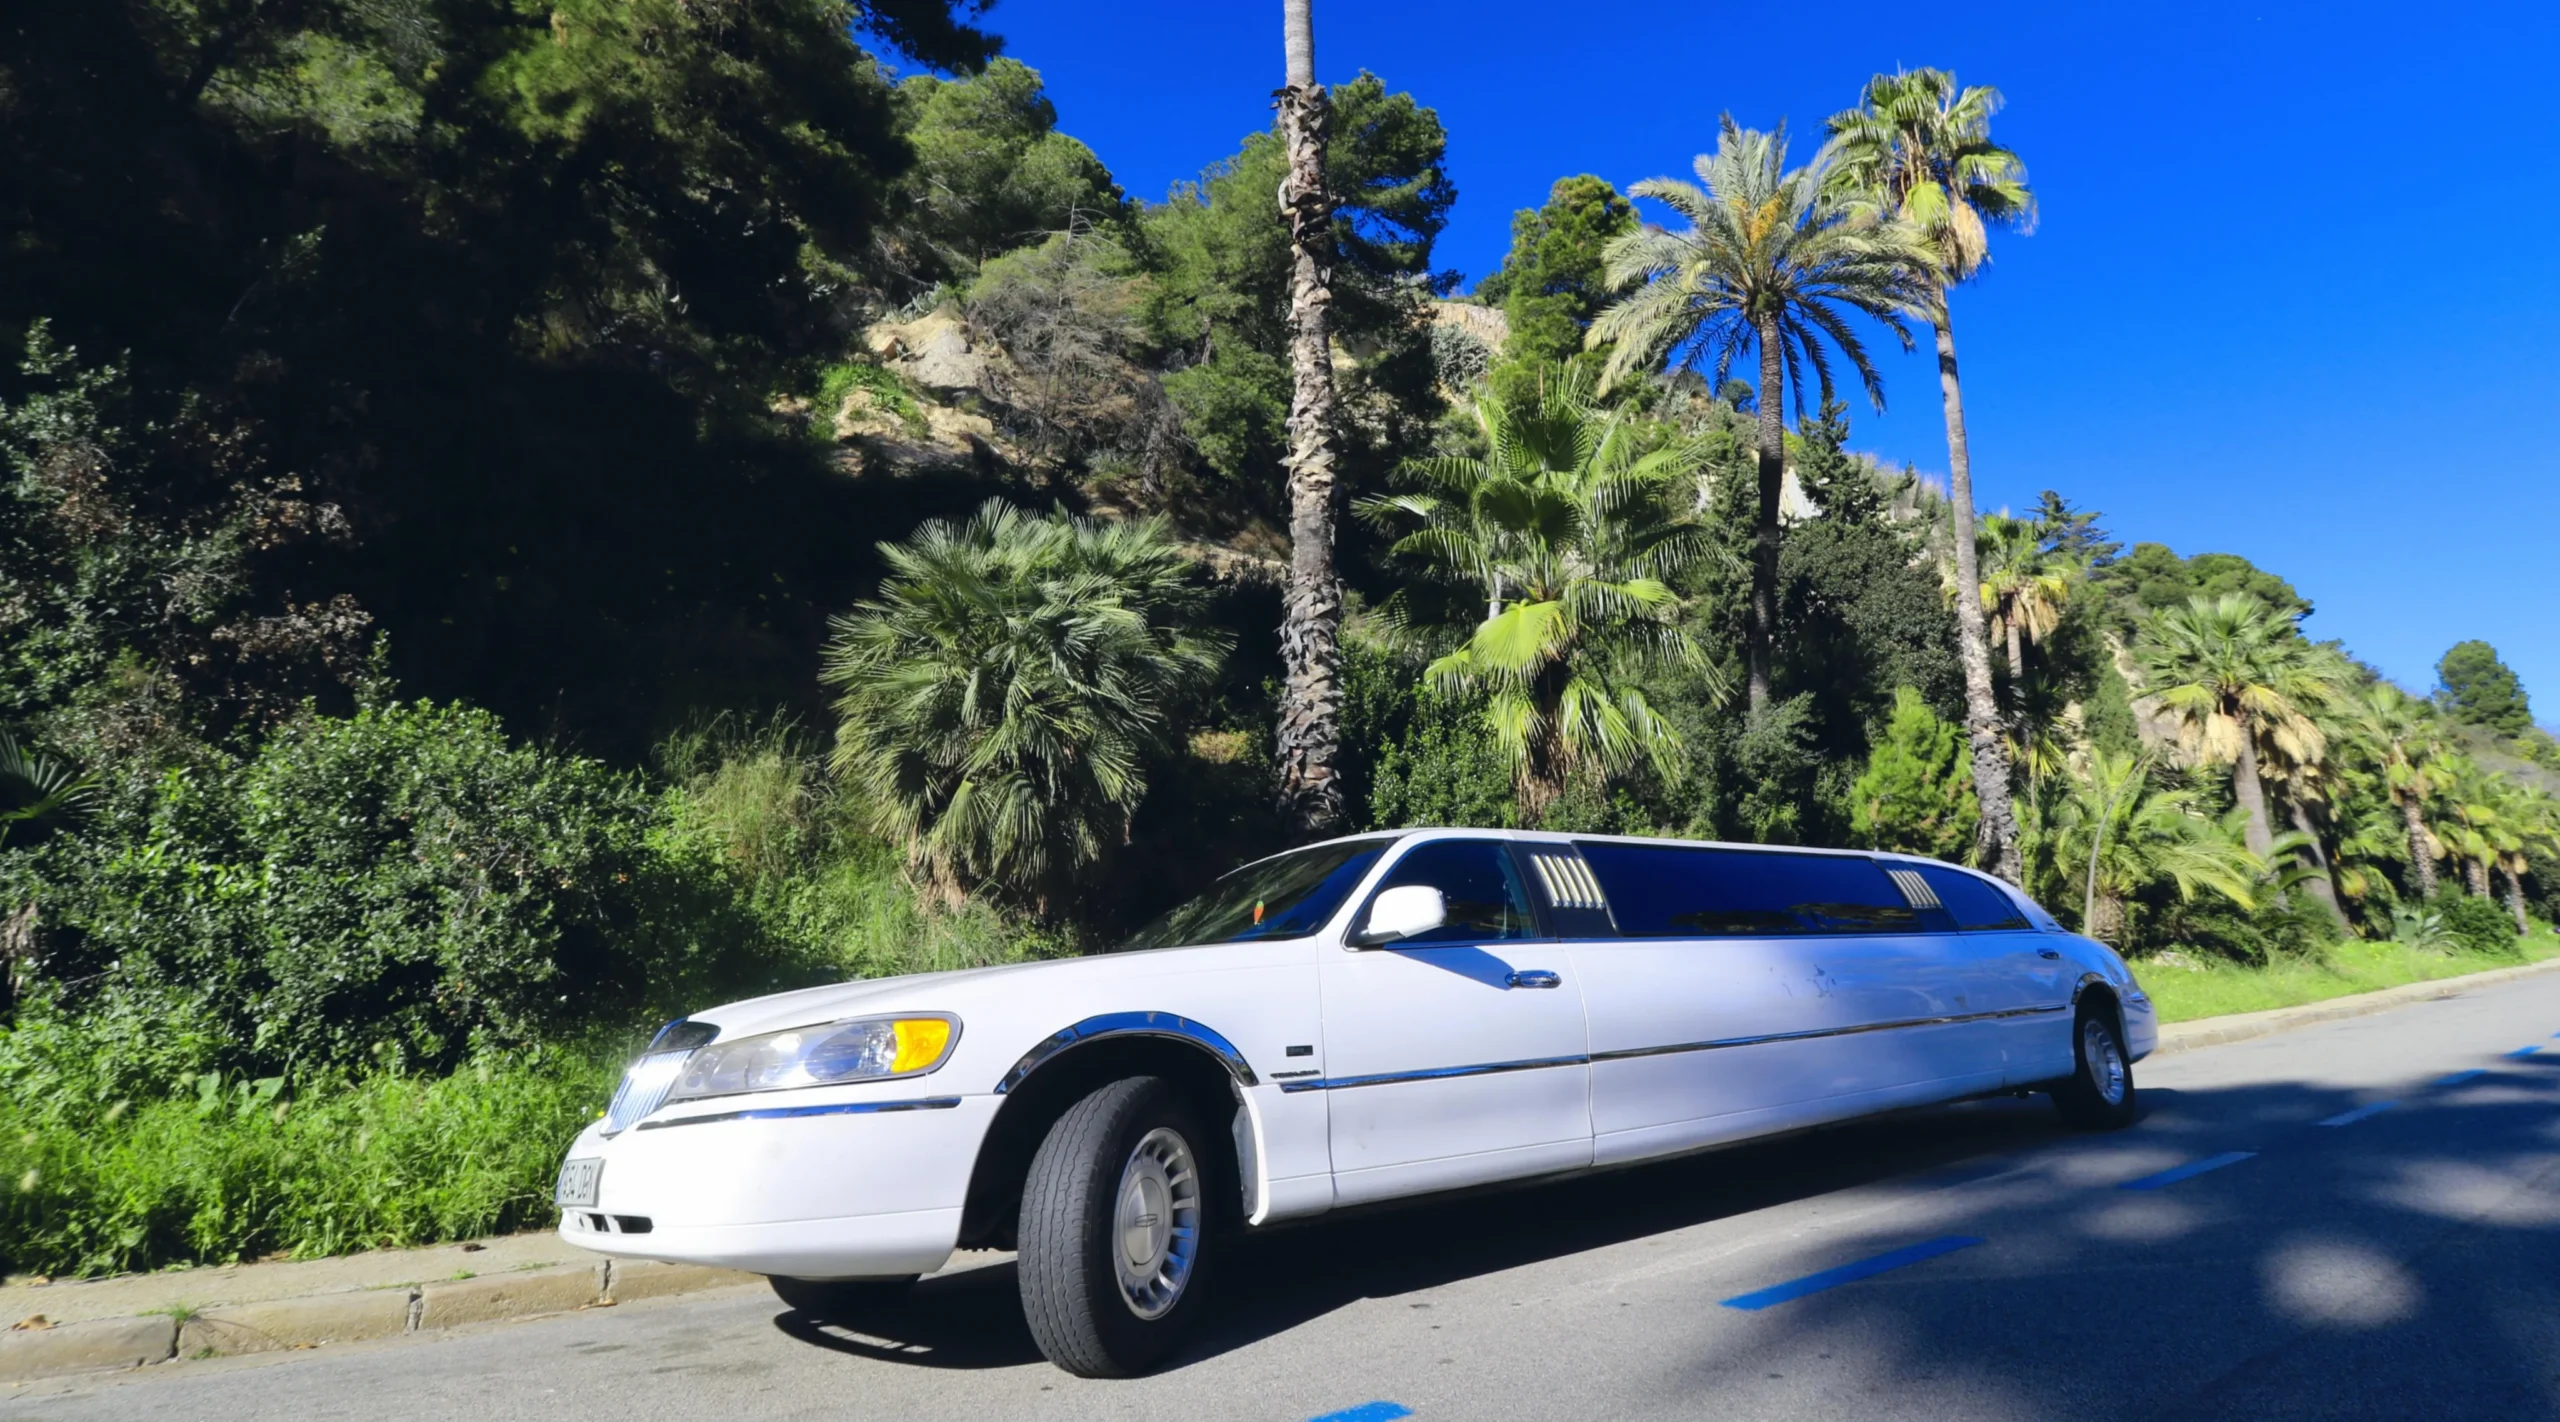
(1757, 991)
(1456, 1056)
(2015, 974)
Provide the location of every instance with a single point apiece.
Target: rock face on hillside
(932, 352)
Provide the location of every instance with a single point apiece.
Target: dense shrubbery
(228, 1168)
(401, 888)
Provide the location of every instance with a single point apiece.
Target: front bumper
(2141, 1025)
(833, 1188)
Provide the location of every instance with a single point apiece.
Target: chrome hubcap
(1156, 1223)
(2105, 1061)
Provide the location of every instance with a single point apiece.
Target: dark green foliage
(2478, 925)
(2481, 690)
(992, 173)
(1416, 757)
(1553, 280)
(2151, 577)
(402, 887)
(1916, 795)
(1218, 304)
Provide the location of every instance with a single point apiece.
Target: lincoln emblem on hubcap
(1157, 1221)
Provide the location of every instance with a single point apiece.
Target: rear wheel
(2099, 1095)
(1114, 1222)
(841, 1298)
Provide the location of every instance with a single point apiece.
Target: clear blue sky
(2294, 295)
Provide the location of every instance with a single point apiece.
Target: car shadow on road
(1270, 1282)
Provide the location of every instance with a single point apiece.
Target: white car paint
(1414, 1070)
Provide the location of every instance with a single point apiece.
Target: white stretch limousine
(1369, 1018)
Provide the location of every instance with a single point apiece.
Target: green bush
(2477, 924)
(402, 888)
(235, 1168)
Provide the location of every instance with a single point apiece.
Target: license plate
(578, 1180)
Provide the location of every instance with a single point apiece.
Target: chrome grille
(1567, 880)
(1915, 890)
(644, 1088)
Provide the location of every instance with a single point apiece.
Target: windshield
(1286, 896)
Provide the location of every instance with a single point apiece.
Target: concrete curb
(272, 1325)
(2241, 1026)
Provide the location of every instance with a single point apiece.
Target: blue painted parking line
(2522, 1052)
(2188, 1171)
(1850, 1273)
(2361, 1113)
(1367, 1412)
(2462, 1076)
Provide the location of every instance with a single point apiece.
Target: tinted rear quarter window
(1671, 891)
(1977, 907)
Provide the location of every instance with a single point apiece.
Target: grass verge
(386, 1162)
(2186, 987)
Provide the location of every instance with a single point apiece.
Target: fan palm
(1772, 262)
(2022, 585)
(35, 787)
(1002, 695)
(2466, 822)
(2529, 820)
(2239, 679)
(1563, 531)
(2401, 732)
(2113, 834)
(1918, 147)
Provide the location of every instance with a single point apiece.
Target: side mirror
(1402, 912)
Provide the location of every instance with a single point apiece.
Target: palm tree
(35, 787)
(2466, 824)
(2529, 820)
(1919, 148)
(1309, 733)
(2401, 730)
(1563, 532)
(1003, 693)
(2022, 586)
(2111, 835)
(2239, 679)
(1772, 262)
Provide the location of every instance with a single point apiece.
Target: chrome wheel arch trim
(1131, 1024)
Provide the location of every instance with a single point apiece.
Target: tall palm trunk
(2423, 863)
(2515, 900)
(1995, 842)
(2476, 875)
(1309, 735)
(1764, 533)
(2324, 887)
(2251, 792)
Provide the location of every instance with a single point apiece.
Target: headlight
(875, 1049)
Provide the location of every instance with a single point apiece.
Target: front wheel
(2099, 1095)
(1114, 1220)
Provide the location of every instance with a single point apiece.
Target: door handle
(2047, 953)
(1534, 978)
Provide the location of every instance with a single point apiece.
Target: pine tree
(1916, 795)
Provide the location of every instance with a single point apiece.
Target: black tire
(838, 1299)
(2099, 1095)
(1091, 1315)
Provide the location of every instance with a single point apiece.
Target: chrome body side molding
(1131, 1024)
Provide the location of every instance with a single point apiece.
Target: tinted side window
(1672, 892)
(1975, 905)
(1487, 900)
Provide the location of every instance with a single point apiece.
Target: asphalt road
(2333, 1262)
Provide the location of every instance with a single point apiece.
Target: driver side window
(1487, 899)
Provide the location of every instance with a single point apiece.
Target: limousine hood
(954, 992)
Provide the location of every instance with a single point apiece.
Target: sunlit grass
(2187, 986)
